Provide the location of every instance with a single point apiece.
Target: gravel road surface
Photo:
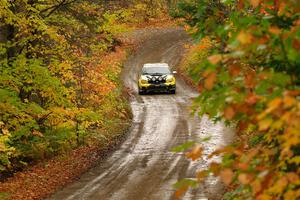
(144, 168)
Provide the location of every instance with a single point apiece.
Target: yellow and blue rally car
(157, 77)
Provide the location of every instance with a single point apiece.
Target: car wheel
(141, 92)
(173, 92)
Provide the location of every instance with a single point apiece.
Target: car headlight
(170, 79)
(143, 81)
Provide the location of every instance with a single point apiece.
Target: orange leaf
(282, 8)
(201, 46)
(242, 125)
(272, 105)
(37, 133)
(293, 177)
(244, 179)
(250, 81)
(275, 30)
(200, 87)
(195, 153)
(256, 186)
(251, 99)
(241, 4)
(253, 152)
(226, 176)
(296, 44)
(214, 59)
(215, 168)
(293, 92)
(234, 70)
(254, 3)
(210, 81)
(229, 113)
(187, 27)
(243, 166)
(181, 191)
(201, 175)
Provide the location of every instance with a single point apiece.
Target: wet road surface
(143, 168)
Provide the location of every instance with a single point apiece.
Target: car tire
(141, 92)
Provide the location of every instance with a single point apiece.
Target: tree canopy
(59, 73)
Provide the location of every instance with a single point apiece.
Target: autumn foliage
(60, 65)
(247, 68)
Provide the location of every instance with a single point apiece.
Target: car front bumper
(162, 87)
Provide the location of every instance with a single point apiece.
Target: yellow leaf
(279, 186)
(272, 105)
(277, 125)
(289, 101)
(292, 195)
(264, 197)
(264, 124)
(286, 117)
(244, 38)
(5, 132)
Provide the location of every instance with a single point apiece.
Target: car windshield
(156, 70)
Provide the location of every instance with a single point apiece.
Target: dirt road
(143, 168)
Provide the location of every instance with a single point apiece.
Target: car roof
(155, 65)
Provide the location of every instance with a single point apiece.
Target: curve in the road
(143, 167)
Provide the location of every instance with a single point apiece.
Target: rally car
(157, 77)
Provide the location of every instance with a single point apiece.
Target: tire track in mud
(143, 168)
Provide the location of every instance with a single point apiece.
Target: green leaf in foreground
(185, 183)
(183, 147)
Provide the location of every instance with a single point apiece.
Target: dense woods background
(59, 74)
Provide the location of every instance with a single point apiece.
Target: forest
(59, 82)
(60, 85)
